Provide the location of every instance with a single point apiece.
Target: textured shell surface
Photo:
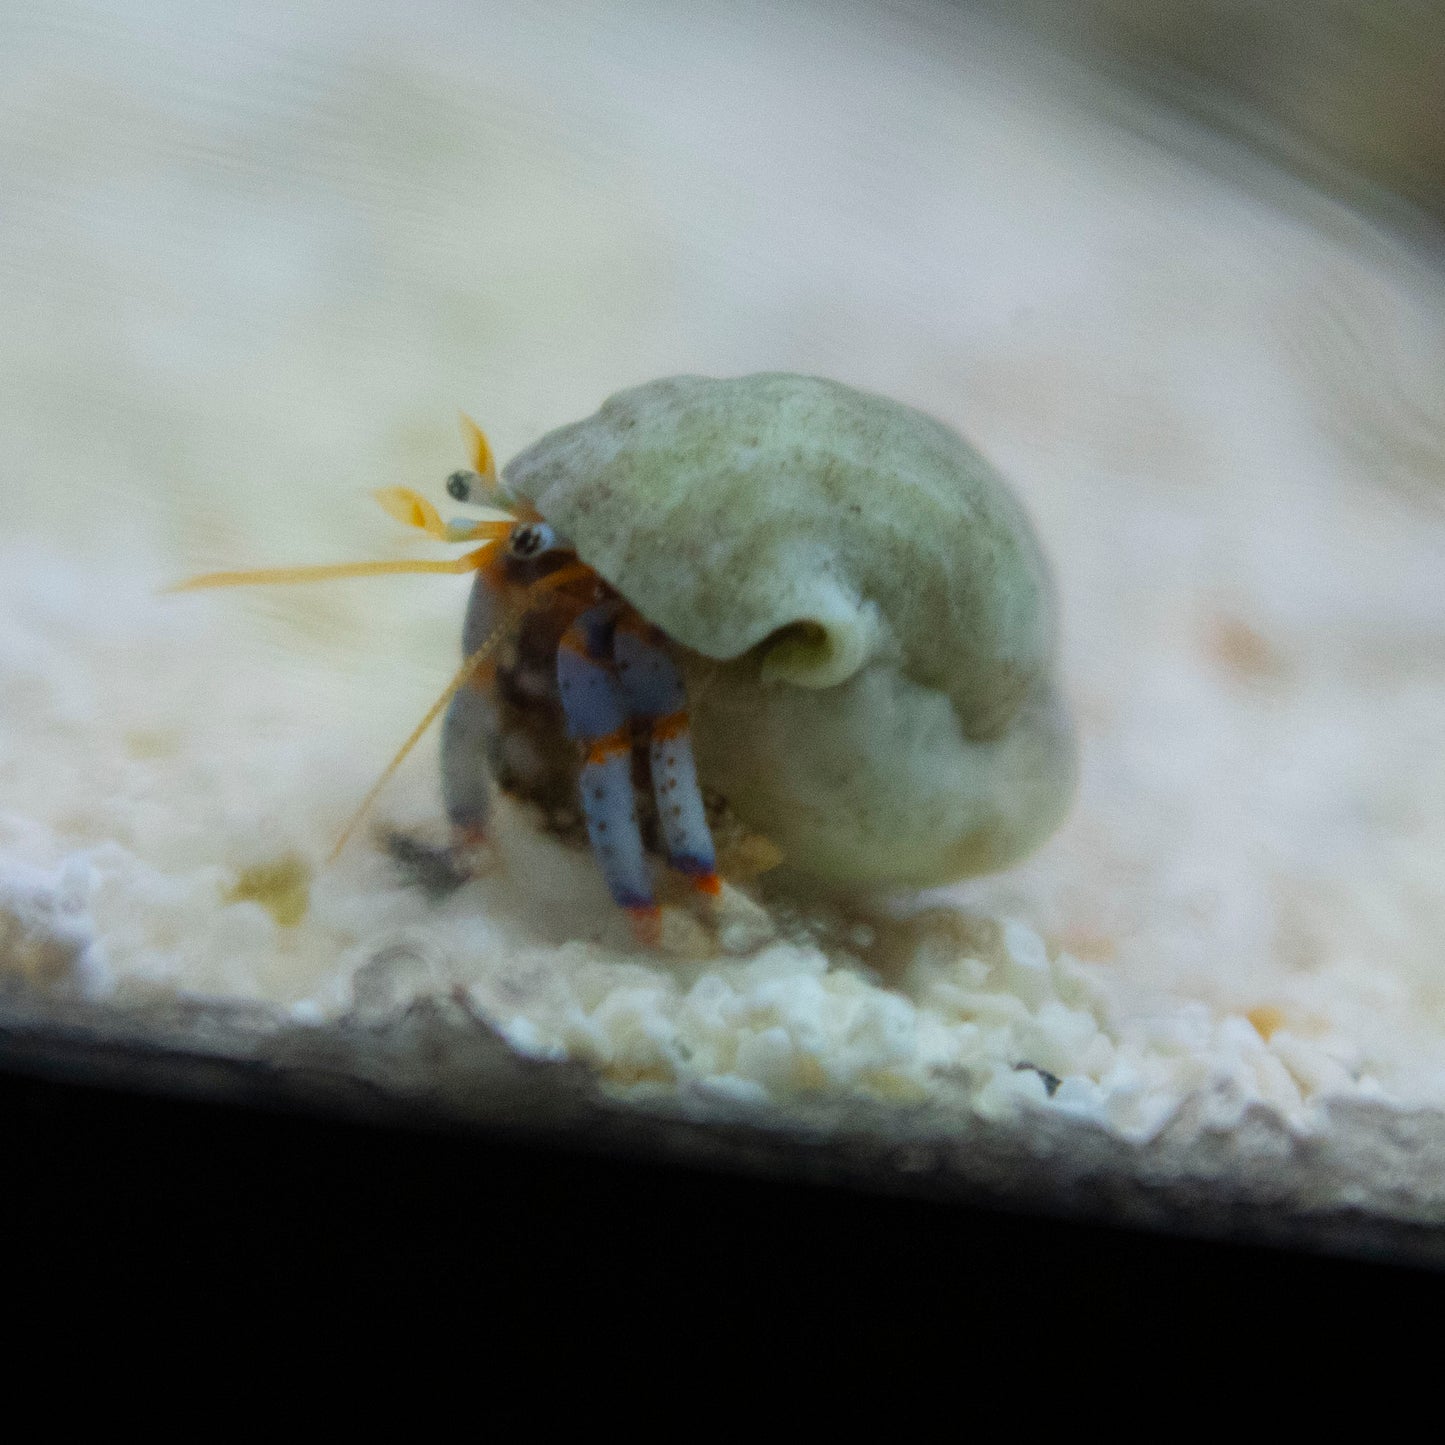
(863, 608)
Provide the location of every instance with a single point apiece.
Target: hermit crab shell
(860, 604)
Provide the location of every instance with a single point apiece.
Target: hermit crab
(770, 598)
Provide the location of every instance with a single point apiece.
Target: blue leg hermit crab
(774, 597)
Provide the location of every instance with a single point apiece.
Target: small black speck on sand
(423, 865)
(1051, 1081)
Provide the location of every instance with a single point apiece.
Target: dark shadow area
(179, 1202)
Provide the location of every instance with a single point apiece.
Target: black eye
(459, 486)
(530, 539)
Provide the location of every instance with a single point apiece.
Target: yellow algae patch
(629, 1074)
(809, 1075)
(895, 1087)
(282, 888)
(1267, 1020)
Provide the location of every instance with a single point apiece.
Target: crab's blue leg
(467, 731)
(597, 714)
(657, 697)
(470, 724)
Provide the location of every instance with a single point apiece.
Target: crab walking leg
(597, 715)
(655, 695)
(470, 722)
(467, 731)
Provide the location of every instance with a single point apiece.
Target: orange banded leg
(596, 710)
(655, 694)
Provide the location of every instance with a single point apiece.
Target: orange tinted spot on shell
(709, 884)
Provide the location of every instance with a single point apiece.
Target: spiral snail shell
(859, 604)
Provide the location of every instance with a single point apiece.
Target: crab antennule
(484, 463)
(412, 509)
(469, 671)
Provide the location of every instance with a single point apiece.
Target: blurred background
(1174, 267)
(1346, 91)
(270, 240)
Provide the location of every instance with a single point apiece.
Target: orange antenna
(264, 576)
(406, 506)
